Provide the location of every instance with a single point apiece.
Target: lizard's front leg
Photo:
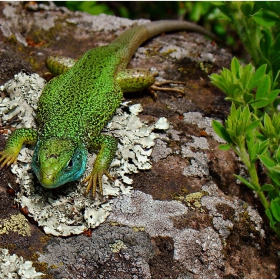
(15, 141)
(107, 146)
(132, 80)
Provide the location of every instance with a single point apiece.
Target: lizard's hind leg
(59, 64)
(137, 79)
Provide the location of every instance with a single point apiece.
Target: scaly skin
(75, 106)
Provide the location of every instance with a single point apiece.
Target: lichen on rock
(15, 223)
(14, 267)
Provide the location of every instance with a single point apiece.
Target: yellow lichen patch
(205, 66)
(114, 224)
(193, 200)
(40, 266)
(16, 223)
(136, 229)
(117, 246)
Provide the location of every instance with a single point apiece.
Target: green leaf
(266, 18)
(263, 87)
(217, 81)
(223, 8)
(267, 187)
(263, 146)
(246, 116)
(233, 111)
(257, 77)
(232, 134)
(267, 162)
(275, 178)
(267, 121)
(234, 66)
(248, 97)
(221, 131)
(275, 209)
(246, 9)
(245, 182)
(235, 101)
(270, 217)
(273, 6)
(277, 154)
(276, 168)
(245, 79)
(273, 94)
(253, 150)
(270, 97)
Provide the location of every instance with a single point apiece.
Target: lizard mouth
(48, 179)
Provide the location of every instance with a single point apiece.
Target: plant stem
(251, 167)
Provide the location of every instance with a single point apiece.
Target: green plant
(258, 26)
(91, 7)
(252, 128)
(208, 15)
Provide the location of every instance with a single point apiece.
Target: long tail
(132, 38)
(161, 26)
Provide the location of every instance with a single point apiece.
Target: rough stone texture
(111, 252)
(187, 217)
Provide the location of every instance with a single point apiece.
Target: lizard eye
(70, 164)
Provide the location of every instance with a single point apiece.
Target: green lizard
(75, 106)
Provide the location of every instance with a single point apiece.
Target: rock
(186, 217)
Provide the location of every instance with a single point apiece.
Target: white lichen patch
(23, 91)
(198, 162)
(194, 150)
(14, 267)
(15, 223)
(160, 151)
(68, 211)
(202, 122)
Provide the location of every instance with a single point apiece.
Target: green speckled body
(78, 103)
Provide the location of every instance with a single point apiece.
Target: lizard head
(58, 161)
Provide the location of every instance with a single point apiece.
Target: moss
(15, 223)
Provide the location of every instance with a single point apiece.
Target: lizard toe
(7, 159)
(94, 179)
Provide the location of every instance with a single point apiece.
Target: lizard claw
(95, 178)
(7, 159)
(157, 86)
